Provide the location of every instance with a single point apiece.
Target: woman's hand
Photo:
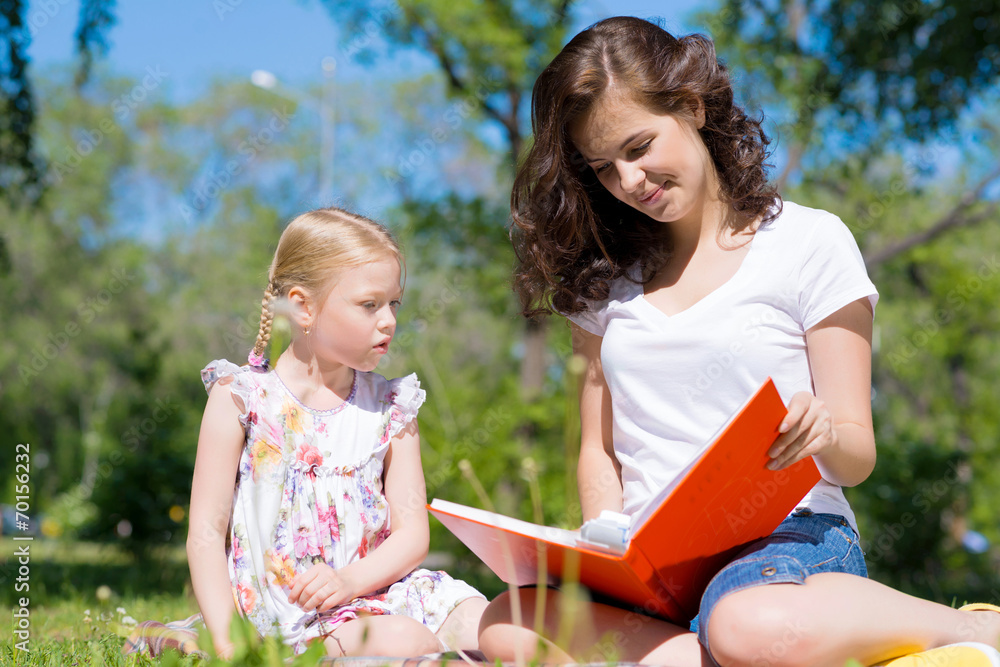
(806, 430)
(321, 587)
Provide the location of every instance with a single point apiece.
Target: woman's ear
(698, 109)
(300, 306)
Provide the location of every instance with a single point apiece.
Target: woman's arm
(216, 464)
(323, 587)
(598, 472)
(835, 425)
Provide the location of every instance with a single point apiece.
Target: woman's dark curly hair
(571, 236)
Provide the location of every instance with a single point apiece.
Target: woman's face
(655, 163)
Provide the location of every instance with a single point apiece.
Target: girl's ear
(301, 307)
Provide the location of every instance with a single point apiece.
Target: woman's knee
(505, 629)
(754, 629)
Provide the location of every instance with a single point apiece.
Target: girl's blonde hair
(313, 249)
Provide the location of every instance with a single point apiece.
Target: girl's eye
(368, 305)
(395, 304)
(602, 168)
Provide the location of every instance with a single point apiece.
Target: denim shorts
(805, 543)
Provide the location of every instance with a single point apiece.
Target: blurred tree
(20, 167)
(935, 358)
(880, 69)
(490, 53)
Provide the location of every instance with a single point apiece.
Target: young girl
(642, 212)
(327, 522)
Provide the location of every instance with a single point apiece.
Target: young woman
(643, 214)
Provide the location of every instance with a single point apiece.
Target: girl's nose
(387, 319)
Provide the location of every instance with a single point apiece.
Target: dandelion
(103, 593)
(128, 620)
(120, 610)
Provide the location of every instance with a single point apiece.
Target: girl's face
(357, 319)
(655, 163)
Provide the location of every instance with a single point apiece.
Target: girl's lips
(383, 347)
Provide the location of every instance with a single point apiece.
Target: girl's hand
(806, 431)
(223, 648)
(321, 587)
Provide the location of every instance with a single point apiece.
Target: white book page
(646, 511)
(549, 534)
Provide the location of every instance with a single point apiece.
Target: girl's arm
(219, 445)
(835, 425)
(598, 473)
(322, 587)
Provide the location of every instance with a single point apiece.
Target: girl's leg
(575, 630)
(833, 617)
(460, 631)
(382, 635)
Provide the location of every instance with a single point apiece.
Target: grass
(83, 595)
(67, 579)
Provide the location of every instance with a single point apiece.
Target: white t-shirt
(676, 380)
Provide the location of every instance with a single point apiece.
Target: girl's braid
(264, 333)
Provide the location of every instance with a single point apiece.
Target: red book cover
(723, 500)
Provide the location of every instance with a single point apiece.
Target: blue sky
(192, 41)
(187, 44)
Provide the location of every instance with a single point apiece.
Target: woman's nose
(630, 176)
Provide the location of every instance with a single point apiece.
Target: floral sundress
(309, 490)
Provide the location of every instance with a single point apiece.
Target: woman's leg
(574, 630)
(833, 617)
(382, 635)
(460, 631)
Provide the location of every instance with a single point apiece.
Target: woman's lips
(652, 197)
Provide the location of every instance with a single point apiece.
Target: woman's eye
(639, 150)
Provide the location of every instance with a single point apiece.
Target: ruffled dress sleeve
(404, 398)
(239, 379)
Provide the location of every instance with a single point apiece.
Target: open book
(664, 556)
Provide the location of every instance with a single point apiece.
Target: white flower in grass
(121, 610)
(128, 620)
